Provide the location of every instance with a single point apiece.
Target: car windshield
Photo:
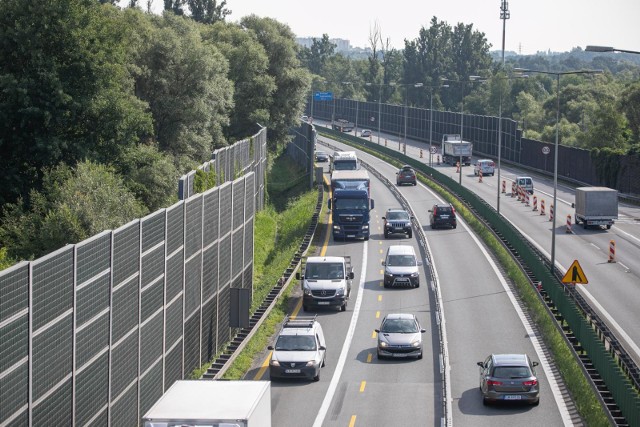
(397, 215)
(324, 271)
(359, 204)
(511, 372)
(296, 343)
(401, 260)
(401, 326)
(345, 165)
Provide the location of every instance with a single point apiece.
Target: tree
(529, 112)
(248, 68)
(292, 81)
(184, 80)
(630, 106)
(74, 205)
(175, 6)
(208, 11)
(67, 91)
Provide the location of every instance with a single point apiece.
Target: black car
(397, 221)
(406, 175)
(321, 156)
(442, 214)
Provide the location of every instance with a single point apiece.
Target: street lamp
(431, 120)
(379, 104)
(555, 160)
(607, 49)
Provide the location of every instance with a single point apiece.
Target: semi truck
(344, 160)
(454, 150)
(342, 125)
(596, 206)
(326, 281)
(212, 403)
(350, 204)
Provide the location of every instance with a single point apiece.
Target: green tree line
(600, 112)
(102, 108)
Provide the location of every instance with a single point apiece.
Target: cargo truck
(350, 179)
(344, 161)
(596, 206)
(326, 281)
(212, 403)
(454, 150)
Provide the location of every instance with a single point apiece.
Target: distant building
(343, 47)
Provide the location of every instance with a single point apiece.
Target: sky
(534, 25)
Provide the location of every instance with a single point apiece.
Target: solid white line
(555, 389)
(331, 391)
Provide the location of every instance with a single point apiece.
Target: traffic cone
(535, 203)
(480, 176)
(457, 167)
(612, 251)
(504, 186)
(421, 153)
(438, 158)
(551, 212)
(526, 198)
(568, 230)
(513, 189)
(542, 207)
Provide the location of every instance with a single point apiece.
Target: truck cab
(344, 160)
(350, 213)
(326, 282)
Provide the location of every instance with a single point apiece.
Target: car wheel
(323, 360)
(433, 227)
(380, 357)
(410, 234)
(417, 285)
(366, 238)
(420, 355)
(386, 285)
(343, 307)
(415, 183)
(485, 402)
(386, 235)
(454, 225)
(537, 402)
(317, 377)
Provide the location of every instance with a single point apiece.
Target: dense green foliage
(145, 97)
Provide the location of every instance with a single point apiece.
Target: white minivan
(486, 166)
(526, 183)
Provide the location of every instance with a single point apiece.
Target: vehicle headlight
(365, 227)
(274, 362)
(340, 291)
(415, 274)
(306, 291)
(388, 274)
(336, 227)
(416, 343)
(382, 344)
(312, 362)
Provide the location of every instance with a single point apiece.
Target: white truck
(344, 161)
(454, 150)
(326, 281)
(596, 206)
(212, 403)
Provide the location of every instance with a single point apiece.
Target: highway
(614, 288)
(480, 317)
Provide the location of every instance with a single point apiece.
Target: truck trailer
(454, 150)
(596, 206)
(212, 404)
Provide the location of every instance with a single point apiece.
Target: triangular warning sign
(575, 274)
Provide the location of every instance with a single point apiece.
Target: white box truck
(212, 404)
(454, 150)
(596, 206)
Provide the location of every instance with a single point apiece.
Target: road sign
(434, 150)
(323, 96)
(546, 150)
(575, 274)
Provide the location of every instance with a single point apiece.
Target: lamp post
(608, 49)
(406, 105)
(379, 105)
(555, 159)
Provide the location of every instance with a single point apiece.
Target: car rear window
(511, 372)
(444, 209)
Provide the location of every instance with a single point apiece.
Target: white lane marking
(630, 344)
(555, 389)
(562, 407)
(331, 391)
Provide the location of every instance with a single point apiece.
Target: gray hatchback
(400, 335)
(509, 377)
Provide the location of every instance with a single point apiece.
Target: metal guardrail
(600, 353)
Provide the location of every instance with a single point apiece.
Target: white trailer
(596, 206)
(212, 404)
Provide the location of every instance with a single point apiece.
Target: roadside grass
(585, 398)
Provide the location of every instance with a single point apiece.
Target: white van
(526, 182)
(486, 166)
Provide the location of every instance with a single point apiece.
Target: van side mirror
(270, 347)
(351, 275)
(481, 364)
(535, 363)
(419, 263)
(383, 263)
(573, 205)
(372, 205)
(298, 276)
(329, 204)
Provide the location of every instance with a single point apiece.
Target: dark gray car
(509, 377)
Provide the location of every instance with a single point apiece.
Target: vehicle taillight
(493, 165)
(530, 383)
(494, 382)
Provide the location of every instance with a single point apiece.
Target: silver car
(509, 377)
(400, 336)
